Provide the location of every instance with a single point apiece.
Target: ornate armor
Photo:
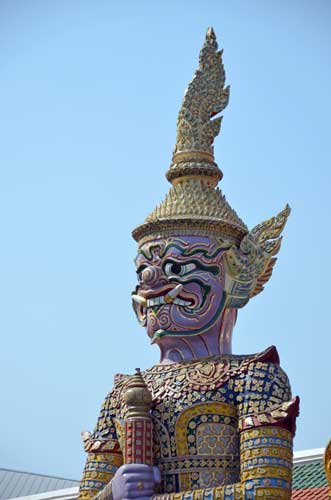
(219, 421)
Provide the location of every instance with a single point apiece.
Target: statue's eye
(140, 270)
(174, 268)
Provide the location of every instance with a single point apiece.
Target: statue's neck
(217, 340)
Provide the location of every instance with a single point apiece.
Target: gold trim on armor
(268, 471)
(181, 430)
(268, 431)
(97, 475)
(273, 451)
(272, 493)
(193, 411)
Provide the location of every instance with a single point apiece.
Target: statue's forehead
(185, 246)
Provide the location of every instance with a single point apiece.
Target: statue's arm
(104, 455)
(265, 441)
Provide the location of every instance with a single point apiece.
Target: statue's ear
(250, 266)
(267, 234)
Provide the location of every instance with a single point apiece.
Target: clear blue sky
(89, 97)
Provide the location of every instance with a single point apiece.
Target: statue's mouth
(168, 294)
(158, 301)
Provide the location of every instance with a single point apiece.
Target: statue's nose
(152, 276)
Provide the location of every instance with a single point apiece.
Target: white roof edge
(308, 456)
(64, 494)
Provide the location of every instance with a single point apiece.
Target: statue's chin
(159, 334)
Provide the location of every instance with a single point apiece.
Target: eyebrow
(186, 252)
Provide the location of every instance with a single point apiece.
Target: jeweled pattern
(197, 410)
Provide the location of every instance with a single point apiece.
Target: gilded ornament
(327, 465)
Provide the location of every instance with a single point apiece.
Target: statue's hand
(135, 481)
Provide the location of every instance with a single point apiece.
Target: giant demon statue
(220, 426)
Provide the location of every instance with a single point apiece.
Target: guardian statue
(203, 423)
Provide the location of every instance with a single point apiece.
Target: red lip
(151, 294)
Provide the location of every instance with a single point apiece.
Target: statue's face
(180, 288)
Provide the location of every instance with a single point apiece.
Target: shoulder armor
(283, 415)
(270, 354)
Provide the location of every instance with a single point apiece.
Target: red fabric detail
(283, 415)
(139, 441)
(270, 354)
(321, 493)
(293, 411)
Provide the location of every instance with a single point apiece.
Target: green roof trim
(309, 476)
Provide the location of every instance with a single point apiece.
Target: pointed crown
(194, 204)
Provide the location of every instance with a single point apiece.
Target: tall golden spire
(194, 205)
(204, 98)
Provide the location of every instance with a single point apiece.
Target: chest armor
(197, 412)
(197, 447)
(198, 409)
(195, 421)
(195, 424)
